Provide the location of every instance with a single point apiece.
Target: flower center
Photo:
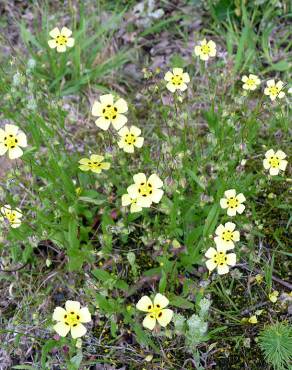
(10, 141)
(155, 311)
(130, 139)
(232, 202)
(227, 235)
(274, 162)
(110, 112)
(71, 318)
(145, 189)
(250, 82)
(176, 80)
(61, 40)
(274, 90)
(220, 258)
(93, 165)
(205, 49)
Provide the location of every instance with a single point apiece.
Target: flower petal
(22, 141)
(103, 123)
(61, 48)
(139, 142)
(144, 304)
(177, 71)
(168, 76)
(15, 152)
(78, 331)
(123, 131)
(107, 99)
(230, 193)
(52, 43)
(161, 300)
(139, 178)
(219, 230)
(223, 269)
(85, 315)
(155, 181)
(283, 164)
(11, 129)
(135, 131)
(231, 212)
(70, 42)
(211, 265)
(149, 322)
(170, 86)
(241, 198)
(121, 106)
(96, 109)
(165, 318)
(59, 314)
(133, 191)
(223, 203)
(211, 252)
(240, 208)
(62, 329)
(126, 200)
(231, 259)
(54, 33)
(157, 195)
(120, 121)
(72, 306)
(280, 154)
(66, 32)
(230, 226)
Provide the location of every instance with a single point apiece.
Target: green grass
(77, 242)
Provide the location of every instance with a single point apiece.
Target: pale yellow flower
(275, 161)
(127, 200)
(220, 259)
(130, 138)
(273, 89)
(71, 318)
(13, 216)
(259, 278)
(206, 49)
(146, 191)
(273, 297)
(156, 311)
(251, 82)
(232, 202)
(94, 164)
(226, 235)
(253, 319)
(11, 141)
(177, 80)
(61, 39)
(109, 112)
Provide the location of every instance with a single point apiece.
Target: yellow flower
(226, 236)
(177, 80)
(253, 319)
(273, 90)
(146, 191)
(71, 319)
(251, 82)
(206, 49)
(232, 202)
(61, 40)
(273, 297)
(275, 161)
(110, 112)
(13, 216)
(259, 278)
(220, 259)
(126, 200)
(94, 164)
(156, 311)
(130, 138)
(11, 139)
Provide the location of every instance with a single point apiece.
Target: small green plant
(276, 343)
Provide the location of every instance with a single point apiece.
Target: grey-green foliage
(276, 343)
(195, 327)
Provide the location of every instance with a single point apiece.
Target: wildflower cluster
(111, 114)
